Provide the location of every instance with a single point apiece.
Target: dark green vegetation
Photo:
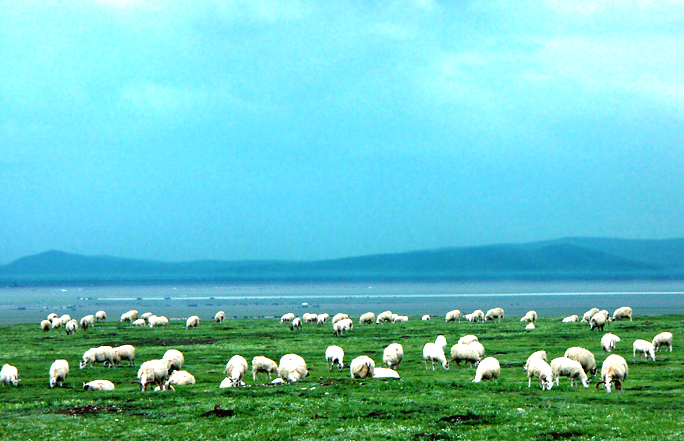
(424, 405)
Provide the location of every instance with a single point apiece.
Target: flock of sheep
(163, 374)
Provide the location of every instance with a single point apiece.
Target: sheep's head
(53, 382)
(585, 381)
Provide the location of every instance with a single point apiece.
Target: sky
(261, 129)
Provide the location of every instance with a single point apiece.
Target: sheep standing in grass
(477, 346)
(153, 372)
(146, 316)
(58, 372)
(45, 325)
(139, 323)
(339, 316)
(64, 319)
(71, 327)
(584, 357)
(488, 369)
(571, 319)
(384, 317)
(287, 317)
(87, 321)
(643, 347)
(425, 318)
(393, 355)
(192, 322)
(467, 339)
(334, 355)
(453, 316)
(174, 359)
(158, 321)
(235, 370)
(322, 319)
(613, 370)
(101, 316)
(467, 353)
(662, 339)
(477, 316)
(129, 316)
(589, 314)
(564, 367)
(535, 355)
(540, 369)
(529, 317)
(494, 314)
(56, 323)
(309, 317)
(220, 317)
(296, 324)
(622, 313)
(529, 327)
(432, 353)
(362, 367)
(344, 325)
(441, 341)
(9, 375)
(598, 321)
(98, 385)
(263, 364)
(52, 316)
(102, 354)
(125, 352)
(292, 368)
(608, 342)
(367, 318)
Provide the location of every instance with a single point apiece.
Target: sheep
(174, 359)
(608, 342)
(477, 346)
(322, 319)
(494, 313)
(453, 316)
(129, 316)
(395, 318)
(367, 318)
(565, 367)
(139, 323)
(589, 314)
(98, 385)
(146, 316)
(613, 370)
(85, 322)
(584, 357)
(158, 321)
(441, 341)
(296, 324)
(153, 372)
(467, 339)
(235, 370)
(9, 375)
(287, 317)
(71, 327)
(125, 352)
(469, 317)
(468, 353)
(101, 316)
(535, 355)
(643, 347)
(65, 319)
(488, 369)
(662, 339)
(571, 319)
(598, 321)
(334, 355)
(220, 317)
(58, 372)
(309, 317)
(179, 378)
(385, 373)
(192, 322)
(529, 327)
(56, 323)
(623, 313)
(362, 367)
(384, 317)
(401, 318)
(45, 325)
(52, 316)
(529, 317)
(292, 368)
(342, 326)
(339, 316)
(393, 355)
(103, 354)
(263, 364)
(433, 352)
(540, 369)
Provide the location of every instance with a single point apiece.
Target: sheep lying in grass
(425, 318)
(540, 369)
(583, 357)
(263, 364)
(334, 355)
(103, 354)
(393, 355)
(608, 342)
(292, 368)
(220, 317)
(101, 316)
(153, 372)
(59, 370)
(367, 318)
(235, 370)
(174, 359)
(565, 367)
(192, 322)
(529, 317)
(529, 327)
(488, 369)
(125, 352)
(468, 353)
(467, 339)
(643, 347)
(541, 355)
(589, 314)
(342, 327)
(9, 375)
(179, 378)
(622, 313)
(494, 314)
(362, 367)
(139, 323)
(432, 353)
(453, 316)
(441, 342)
(571, 319)
(385, 373)
(662, 339)
(613, 370)
(129, 316)
(98, 385)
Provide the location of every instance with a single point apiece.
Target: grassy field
(330, 405)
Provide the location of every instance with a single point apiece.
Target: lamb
(613, 370)
(529, 317)
(220, 317)
(179, 378)
(662, 339)
(589, 314)
(441, 342)
(565, 367)
(362, 367)
(296, 324)
(334, 355)
(488, 369)
(71, 327)
(385, 373)
(235, 370)
(452, 316)
(571, 319)
(598, 321)
(322, 319)
(158, 321)
(339, 316)
(495, 313)
(103, 354)
(101, 316)
(643, 347)
(342, 326)
(263, 364)
(174, 359)
(384, 317)
(125, 352)
(139, 323)
(467, 339)
(468, 353)
(433, 352)
(58, 372)
(129, 316)
(426, 317)
(540, 369)
(608, 342)
(393, 355)
(192, 322)
(535, 355)
(584, 357)
(367, 318)
(292, 368)
(623, 313)
(153, 372)
(287, 317)
(45, 325)
(529, 327)
(98, 385)
(9, 375)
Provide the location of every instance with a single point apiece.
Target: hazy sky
(257, 129)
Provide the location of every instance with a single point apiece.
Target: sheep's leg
(529, 382)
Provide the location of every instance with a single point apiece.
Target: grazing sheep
(478, 347)
(342, 326)
(384, 317)
(174, 359)
(385, 373)
(65, 319)
(529, 317)
(125, 352)
(192, 322)
(598, 321)
(571, 319)
(309, 317)
(88, 320)
(71, 327)
(103, 354)
(339, 316)
(529, 327)
(101, 316)
(98, 385)
(441, 341)
(467, 339)
(235, 370)
(367, 318)
(584, 357)
(58, 372)
(613, 370)
(608, 342)
(362, 367)
(623, 313)
(56, 323)
(393, 355)
(263, 364)
(535, 355)
(334, 355)
(589, 314)
(401, 318)
(220, 317)
(179, 378)
(287, 317)
(453, 316)
(643, 347)
(158, 321)
(425, 318)
(296, 324)
(433, 352)
(662, 339)
(477, 316)
(322, 319)
(292, 368)
(468, 353)
(565, 367)
(139, 323)
(488, 369)
(540, 369)
(494, 313)
(153, 372)
(146, 316)
(52, 316)
(9, 375)
(129, 316)
(45, 325)
(395, 318)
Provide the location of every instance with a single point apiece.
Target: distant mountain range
(562, 258)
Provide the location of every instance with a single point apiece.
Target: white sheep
(494, 314)
(468, 353)
(174, 359)
(477, 316)
(179, 378)
(623, 313)
(529, 327)
(643, 347)
(662, 339)
(296, 324)
(292, 368)
(158, 321)
(589, 314)
(344, 325)
(287, 317)
(263, 364)
(425, 318)
(9, 375)
(236, 369)
(432, 353)
(102, 354)
(571, 319)
(453, 316)
(384, 317)
(58, 372)
(52, 316)
(101, 316)
(362, 367)
(565, 367)
(613, 370)
(71, 327)
(385, 373)
(467, 339)
(367, 318)
(441, 341)
(540, 369)
(153, 372)
(322, 319)
(529, 317)
(584, 357)
(400, 318)
(139, 322)
(45, 325)
(220, 317)
(477, 346)
(334, 355)
(488, 369)
(309, 317)
(98, 385)
(395, 318)
(87, 321)
(64, 319)
(192, 322)
(56, 323)
(146, 316)
(339, 316)
(393, 355)
(535, 355)
(129, 316)
(469, 317)
(125, 352)
(608, 342)
(598, 321)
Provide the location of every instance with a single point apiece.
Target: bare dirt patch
(90, 409)
(218, 412)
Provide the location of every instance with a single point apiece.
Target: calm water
(240, 300)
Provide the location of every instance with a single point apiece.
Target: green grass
(330, 405)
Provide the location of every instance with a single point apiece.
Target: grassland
(329, 405)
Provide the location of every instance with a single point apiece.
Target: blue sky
(261, 129)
